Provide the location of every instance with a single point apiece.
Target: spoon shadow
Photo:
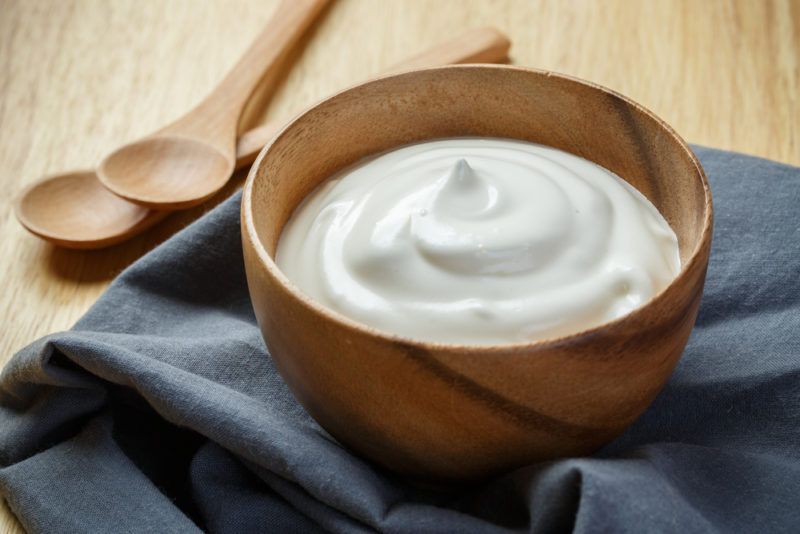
(92, 266)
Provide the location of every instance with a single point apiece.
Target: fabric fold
(161, 410)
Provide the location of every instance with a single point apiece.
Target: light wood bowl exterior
(450, 412)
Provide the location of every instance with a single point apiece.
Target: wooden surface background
(79, 77)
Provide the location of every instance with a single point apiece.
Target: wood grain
(54, 208)
(506, 405)
(79, 77)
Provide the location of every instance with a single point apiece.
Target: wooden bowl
(440, 411)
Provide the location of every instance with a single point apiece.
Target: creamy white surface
(478, 241)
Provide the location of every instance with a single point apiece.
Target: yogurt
(478, 241)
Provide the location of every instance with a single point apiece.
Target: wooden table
(79, 77)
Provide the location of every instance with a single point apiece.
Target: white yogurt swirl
(478, 241)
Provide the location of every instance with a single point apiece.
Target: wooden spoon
(73, 210)
(188, 161)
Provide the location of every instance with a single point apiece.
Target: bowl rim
(470, 348)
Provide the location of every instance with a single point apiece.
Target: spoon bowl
(47, 209)
(189, 160)
(166, 172)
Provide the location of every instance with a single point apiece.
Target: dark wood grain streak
(503, 407)
(636, 134)
(438, 411)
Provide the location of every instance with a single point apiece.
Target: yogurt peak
(478, 241)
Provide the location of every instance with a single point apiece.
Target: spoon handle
(217, 116)
(481, 45)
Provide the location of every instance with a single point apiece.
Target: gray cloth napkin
(161, 411)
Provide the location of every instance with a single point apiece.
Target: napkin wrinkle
(32, 485)
(744, 488)
(342, 518)
(32, 392)
(163, 411)
(231, 497)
